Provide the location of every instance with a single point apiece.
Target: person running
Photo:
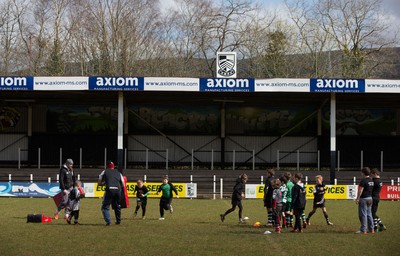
(238, 193)
(319, 200)
(141, 198)
(375, 174)
(166, 194)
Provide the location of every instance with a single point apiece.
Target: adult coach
(67, 180)
(114, 183)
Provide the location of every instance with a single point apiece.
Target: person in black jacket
(114, 182)
(298, 201)
(67, 180)
(238, 193)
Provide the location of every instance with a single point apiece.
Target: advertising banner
(171, 84)
(382, 86)
(337, 85)
(185, 190)
(332, 191)
(282, 85)
(226, 85)
(15, 83)
(98, 83)
(60, 83)
(390, 192)
(28, 189)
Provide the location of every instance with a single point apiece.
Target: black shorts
(164, 203)
(321, 205)
(142, 200)
(236, 202)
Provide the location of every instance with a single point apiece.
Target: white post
(262, 179)
(49, 180)
(306, 180)
(145, 178)
(9, 177)
(31, 178)
(214, 187)
(398, 181)
(298, 160)
(212, 160)
(58, 178)
(335, 181)
(79, 177)
(392, 182)
(221, 188)
(191, 178)
(354, 180)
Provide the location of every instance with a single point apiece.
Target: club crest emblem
(226, 63)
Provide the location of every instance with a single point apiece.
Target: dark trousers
(112, 197)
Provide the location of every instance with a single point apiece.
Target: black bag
(37, 218)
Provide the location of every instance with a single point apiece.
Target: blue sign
(337, 85)
(227, 84)
(98, 83)
(16, 83)
(29, 189)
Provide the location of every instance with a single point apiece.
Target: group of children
(283, 199)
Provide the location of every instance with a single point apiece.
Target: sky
(391, 7)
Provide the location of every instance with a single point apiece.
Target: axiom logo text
(117, 81)
(13, 81)
(228, 83)
(337, 83)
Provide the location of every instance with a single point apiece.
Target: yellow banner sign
(184, 189)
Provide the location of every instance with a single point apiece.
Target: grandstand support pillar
(120, 140)
(333, 138)
(30, 122)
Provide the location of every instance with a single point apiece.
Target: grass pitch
(193, 229)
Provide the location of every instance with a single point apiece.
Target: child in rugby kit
(72, 209)
(268, 195)
(166, 194)
(298, 201)
(319, 200)
(141, 198)
(375, 174)
(284, 191)
(288, 210)
(238, 193)
(277, 204)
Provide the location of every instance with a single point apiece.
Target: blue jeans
(365, 214)
(111, 197)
